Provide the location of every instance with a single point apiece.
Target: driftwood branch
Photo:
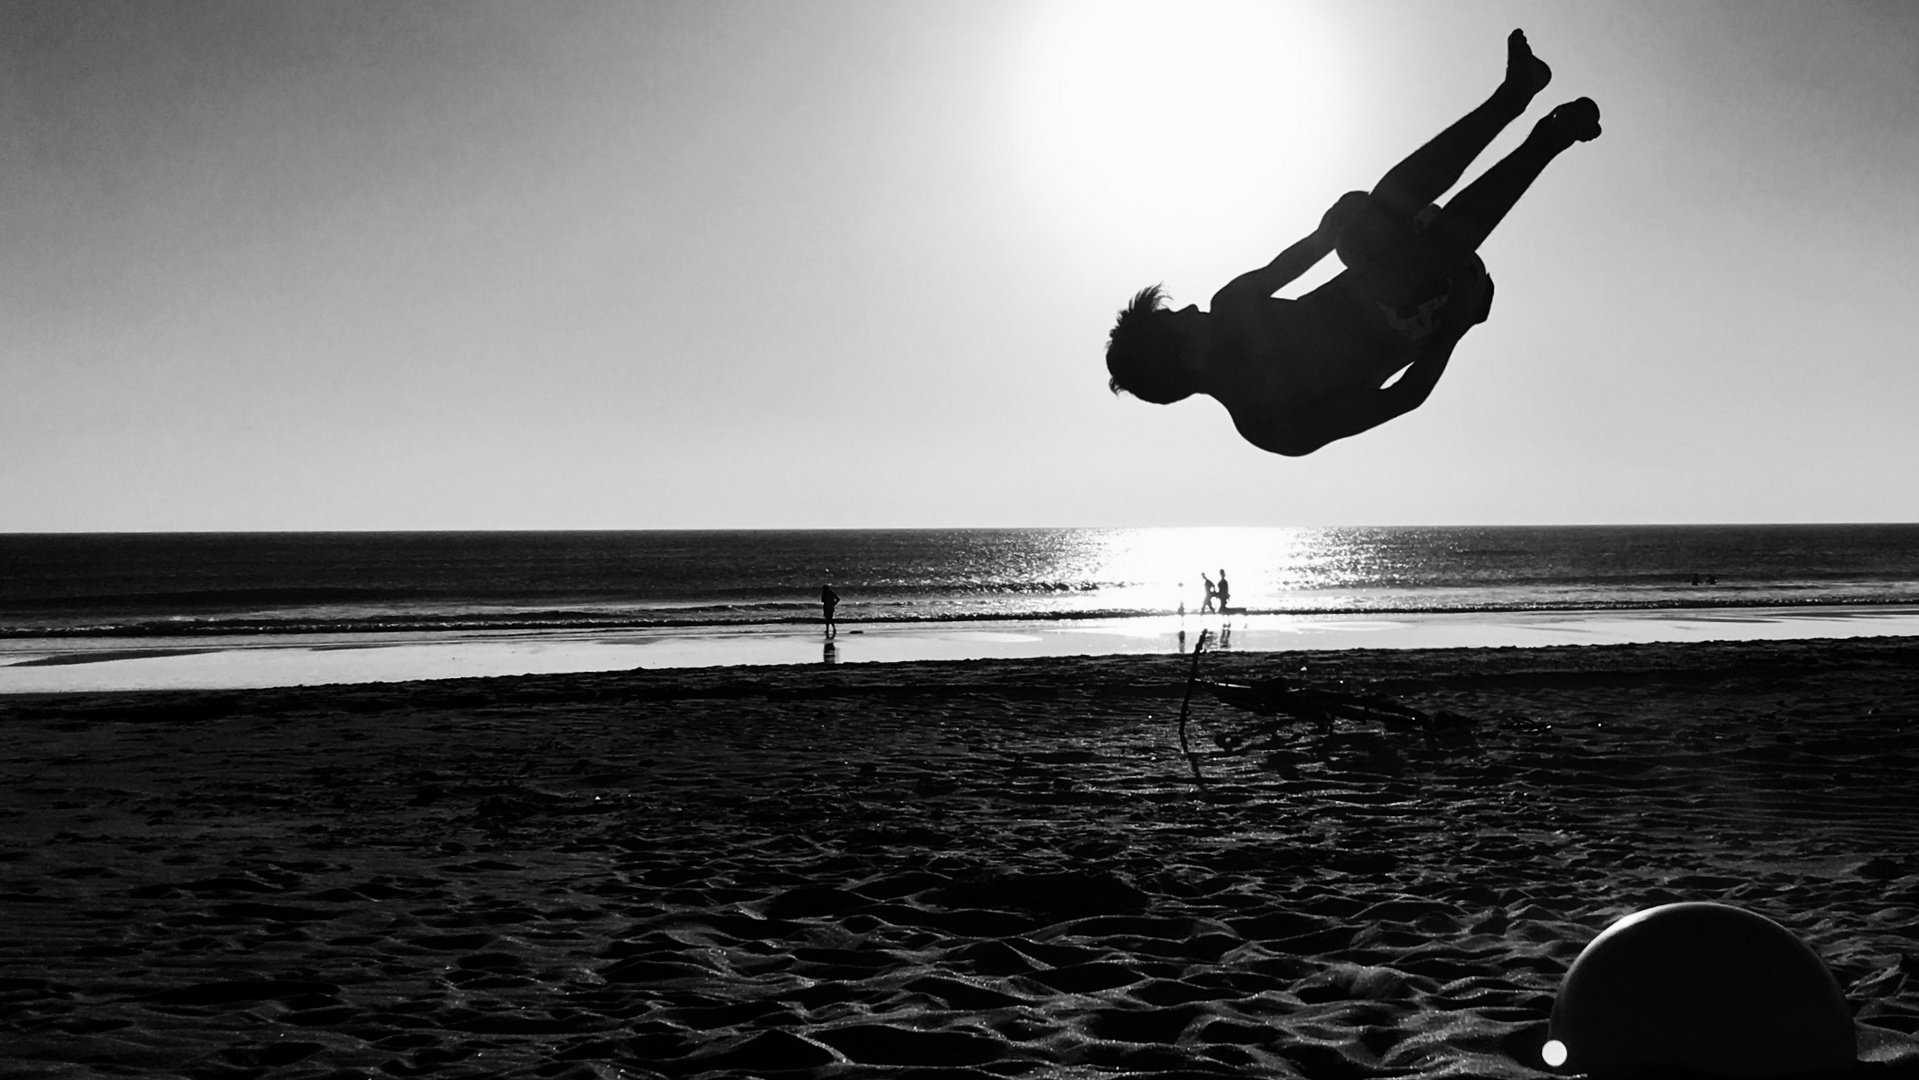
(1284, 703)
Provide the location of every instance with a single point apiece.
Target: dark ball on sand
(1703, 988)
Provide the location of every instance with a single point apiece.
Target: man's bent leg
(1434, 168)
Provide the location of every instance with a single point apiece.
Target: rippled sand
(973, 869)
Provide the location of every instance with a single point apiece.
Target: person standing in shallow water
(829, 600)
(1295, 375)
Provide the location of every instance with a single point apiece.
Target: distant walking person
(829, 600)
(1225, 592)
(1211, 593)
(1295, 375)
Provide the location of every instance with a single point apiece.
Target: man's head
(1144, 353)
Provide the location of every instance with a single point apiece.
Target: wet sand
(81, 664)
(961, 869)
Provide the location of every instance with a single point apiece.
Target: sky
(277, 264)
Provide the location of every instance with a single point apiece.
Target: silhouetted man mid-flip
(1297, 374)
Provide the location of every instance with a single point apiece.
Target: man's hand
(1299, 258)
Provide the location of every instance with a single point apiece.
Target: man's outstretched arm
(1415, 385)
(1302, 256)
(1296, 433)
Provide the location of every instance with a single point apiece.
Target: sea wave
(778, 614)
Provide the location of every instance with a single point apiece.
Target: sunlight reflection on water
(1159, 568)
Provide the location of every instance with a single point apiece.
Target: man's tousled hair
(1142, 352)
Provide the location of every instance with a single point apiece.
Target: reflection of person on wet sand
(1298, 374)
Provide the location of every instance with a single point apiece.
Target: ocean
(183, 585)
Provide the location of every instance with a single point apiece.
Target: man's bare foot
(1526, 74)
(1576, 120)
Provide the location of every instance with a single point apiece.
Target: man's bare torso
(1290, 370)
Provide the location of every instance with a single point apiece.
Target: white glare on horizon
(1165, 565)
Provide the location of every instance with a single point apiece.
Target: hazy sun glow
(1135, 107)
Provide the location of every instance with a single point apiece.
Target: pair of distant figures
(1295, 375)
(1221, 592)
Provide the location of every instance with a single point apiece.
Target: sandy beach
(956, 869)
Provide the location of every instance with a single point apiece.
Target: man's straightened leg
(1432, 170)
